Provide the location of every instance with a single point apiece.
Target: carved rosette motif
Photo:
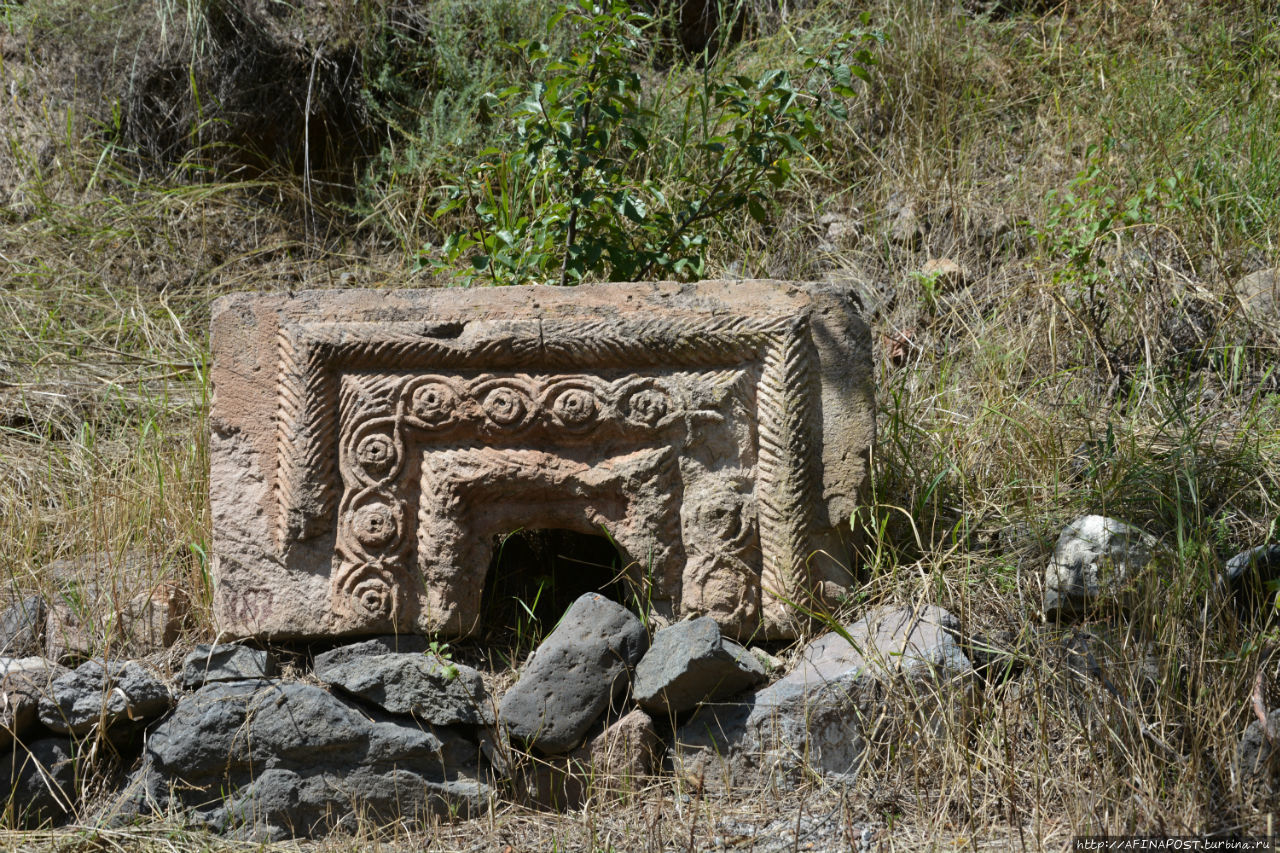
(418, 390)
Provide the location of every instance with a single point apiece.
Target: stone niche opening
(368, 446)
(545, 571)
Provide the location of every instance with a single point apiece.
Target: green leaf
(791, 143)
(777, 176)
(630, 207)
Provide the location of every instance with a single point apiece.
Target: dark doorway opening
(535, 575)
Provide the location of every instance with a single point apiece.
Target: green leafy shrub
(608, 175)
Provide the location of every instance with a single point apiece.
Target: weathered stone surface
(438, 692)
(626, 751)
(1258, 756)
(92, 694)
(147, 622)
(946, 274)
(617, 760)
(226, 662)
(156, 619)
(22, 627)
(22, 682)
(39, 779)
(572, 677)
(690, 663)
(274, 759)
(67, 636)
(368, 447)
(1259, 292)
(815, 715)
(905, 228)
(769, 662)
(1094, 558)
(1249, 575)
(842, 229)
(372, 647)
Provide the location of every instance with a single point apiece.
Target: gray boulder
(409, 644)
(617, 759)
(814, 717)
(570, 680)
(226, 663)
(1258, 756)
(1093, 561)
(276, 759)
(22, 627)
(22, 682)
(690, 663)
(1259, 293)
(93, 694)
(40, 778)
(1248, 575)
(437, 692)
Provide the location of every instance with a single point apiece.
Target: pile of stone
(51, 715)
(390, 728)
(387, 729)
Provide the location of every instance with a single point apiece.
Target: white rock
(1094, 558)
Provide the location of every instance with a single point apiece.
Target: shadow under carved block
(369, 448)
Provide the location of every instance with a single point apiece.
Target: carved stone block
(369, 447)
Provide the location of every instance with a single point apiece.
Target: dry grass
(1007, 408)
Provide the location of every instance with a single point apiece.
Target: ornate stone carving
(718, 432)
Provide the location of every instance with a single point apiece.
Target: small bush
(586, 187)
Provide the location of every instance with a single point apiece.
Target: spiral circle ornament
(648, 406)
(374, 598)
(433, 403)
(506, 406)
(575, 408)
(374, 525)
(376, 453)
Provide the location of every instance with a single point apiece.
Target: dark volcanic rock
(226, 663)
(409, 644)
(570, 680)
(434, 691)
(689, 663)
(40, 778)
(274, 759)
(815, 715)
(93, 694)
(1248, 575)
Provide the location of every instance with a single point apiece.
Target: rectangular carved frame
(299, 538)
(312, 358)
